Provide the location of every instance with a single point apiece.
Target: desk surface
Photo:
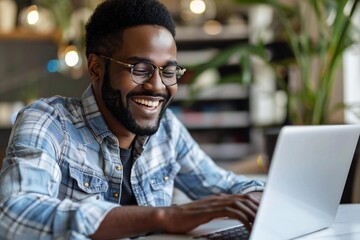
(345, 227)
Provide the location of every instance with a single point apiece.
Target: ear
(95, 67)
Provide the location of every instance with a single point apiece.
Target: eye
(169, 71)
(142, 69)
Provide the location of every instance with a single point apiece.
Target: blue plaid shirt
(62, 172)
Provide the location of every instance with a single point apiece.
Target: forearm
(34, 216)
(123, 222)
(200, 177)
(210, 179)
(130, 221)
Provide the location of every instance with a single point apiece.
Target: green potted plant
(316, 47)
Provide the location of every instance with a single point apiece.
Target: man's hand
(183, 218)
(136, 220)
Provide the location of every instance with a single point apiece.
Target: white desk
(345, 227)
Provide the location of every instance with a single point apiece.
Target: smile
(147, 103)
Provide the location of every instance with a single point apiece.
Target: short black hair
(111, 17)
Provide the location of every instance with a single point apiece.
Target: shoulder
(47, 116)
(40, 126)
(55, 102)
(55, 107)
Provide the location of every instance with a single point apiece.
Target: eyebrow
(142, 59)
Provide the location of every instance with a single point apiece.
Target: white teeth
(147, 102)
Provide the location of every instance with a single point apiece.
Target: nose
(155, 83)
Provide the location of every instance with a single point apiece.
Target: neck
(125, 142)
(124, 136)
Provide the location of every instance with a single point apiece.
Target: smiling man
(105, 166)
(138, 103)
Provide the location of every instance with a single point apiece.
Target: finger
(240, 210)
(242, 202)
(256, 196)
(248, 201)
(240, 207)
(236, 214)
(245, 209)
(253, 206)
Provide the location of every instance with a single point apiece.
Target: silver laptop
(305, 182)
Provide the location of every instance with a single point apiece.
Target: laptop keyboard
(238, 233)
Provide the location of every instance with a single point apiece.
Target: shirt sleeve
(30, 181)
(199, 175)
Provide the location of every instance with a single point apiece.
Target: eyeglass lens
(142, 72)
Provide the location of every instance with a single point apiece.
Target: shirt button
(116, 195)
(97, 197)
(118, 167)
(166, 178)
(86, 184)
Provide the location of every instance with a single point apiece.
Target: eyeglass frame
(131, 67)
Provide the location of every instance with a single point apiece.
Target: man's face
(136, 107)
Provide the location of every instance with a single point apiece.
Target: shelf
(215, 120)
(194, 38)
(227, 151)
(220, 92)
(28, 35)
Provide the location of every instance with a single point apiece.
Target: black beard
(113, 101)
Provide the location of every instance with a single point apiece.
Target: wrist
(160, 218)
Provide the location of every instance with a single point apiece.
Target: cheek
(123, 83)
(121, 80)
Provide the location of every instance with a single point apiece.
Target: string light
(72, 56)
(197, 11)
(37, 18)
(32, 15)
(212, 27)
(197, 6)
(69, 60)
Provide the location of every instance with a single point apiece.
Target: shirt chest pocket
(87, 184)
(162, 185)
(163, 177)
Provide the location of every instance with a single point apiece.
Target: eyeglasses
(141, 72)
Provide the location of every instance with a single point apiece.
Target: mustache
(148, 93)
(116, 94)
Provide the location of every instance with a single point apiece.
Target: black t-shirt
(127, 195)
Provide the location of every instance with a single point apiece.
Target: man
(105, 166)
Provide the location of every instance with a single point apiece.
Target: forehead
(148, 41)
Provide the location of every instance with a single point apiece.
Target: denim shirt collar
(97, 124)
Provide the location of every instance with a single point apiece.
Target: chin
(141, 129)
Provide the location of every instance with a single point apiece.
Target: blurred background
(253, 66)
